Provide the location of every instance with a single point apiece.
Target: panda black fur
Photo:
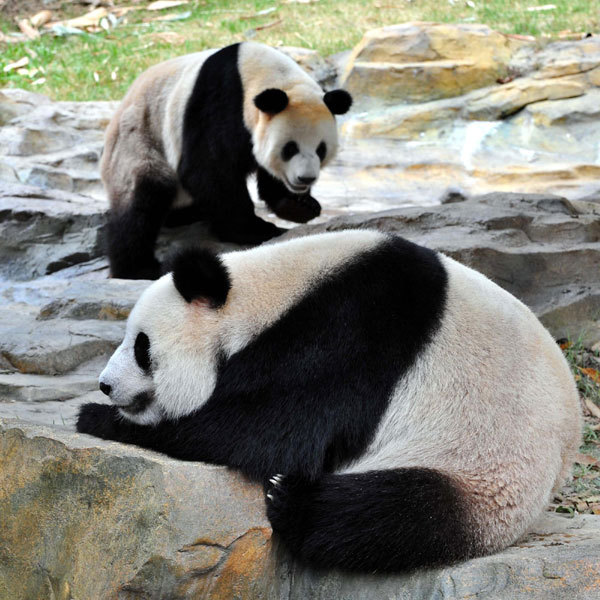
(401, 409)
(189, 132)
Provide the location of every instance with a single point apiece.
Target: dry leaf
(171, 17)
(39, 81)
(593, 374)
(41, 18)
(162, 4)
(91, 19)
(169, 37)
(28, 30)
(268, 25)
(123, 10)
(586, 459)
(260, 13)
(519, 36)
(592, 408)
(22, 62)
(541, 8)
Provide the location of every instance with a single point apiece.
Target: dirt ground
(23, 8)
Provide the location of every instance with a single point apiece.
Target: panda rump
(401, 410)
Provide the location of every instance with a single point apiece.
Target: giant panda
(401, 409)
(189, 132)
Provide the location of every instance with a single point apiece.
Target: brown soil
(25, 8)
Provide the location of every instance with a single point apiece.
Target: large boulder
(417, 62)
(84, 518)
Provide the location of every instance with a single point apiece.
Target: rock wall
(88, 519)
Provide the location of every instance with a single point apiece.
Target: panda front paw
(252, 232)
(99, 420)
(298, 209)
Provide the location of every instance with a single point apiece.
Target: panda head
(166, 365)
(296, 133)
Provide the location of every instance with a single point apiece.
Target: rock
(417, 62)
(322, 70)
(16, 102)
(509, 134)
(500, 102)
(53, 144)
(582, 109)
(42, 231)
(52, 327)
(539, 248)
(82, 518)
(71, 505)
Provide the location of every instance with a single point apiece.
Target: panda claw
(270, 497)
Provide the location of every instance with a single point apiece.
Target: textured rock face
(505, 130)
(417, 62)
(86, 519)
(83, 518)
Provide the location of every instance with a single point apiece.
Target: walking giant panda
(189, 132)
(400, 408)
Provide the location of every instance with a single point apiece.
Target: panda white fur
(414, 412)
(189, 132)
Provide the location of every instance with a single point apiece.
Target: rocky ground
(430, 124)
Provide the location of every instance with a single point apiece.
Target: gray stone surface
(84, 518)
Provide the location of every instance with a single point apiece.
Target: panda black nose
(105, 388)
(307, 180)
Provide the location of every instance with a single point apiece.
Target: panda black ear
(338, 101)
(271, 101)
(199, 274)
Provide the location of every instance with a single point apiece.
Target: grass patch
(583, 493)
(102, 65)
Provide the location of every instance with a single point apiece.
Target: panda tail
(378, 521)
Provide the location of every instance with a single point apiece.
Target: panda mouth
(296, 189)
(139, 403)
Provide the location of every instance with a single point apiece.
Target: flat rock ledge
(86, 519)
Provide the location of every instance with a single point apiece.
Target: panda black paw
(252, 233)
(288, 498)
(99, 420)
(298, 209)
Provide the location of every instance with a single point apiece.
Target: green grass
(328, 26)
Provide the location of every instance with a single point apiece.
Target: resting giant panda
(189, 132)
(400, 408)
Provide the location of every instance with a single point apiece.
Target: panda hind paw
(286, 500)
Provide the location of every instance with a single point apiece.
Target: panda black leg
(132, 232)
(292, 207)
(392, 520)
(234, 219)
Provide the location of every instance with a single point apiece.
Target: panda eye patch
(321, 151)
(289, 150)
(141, 350)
